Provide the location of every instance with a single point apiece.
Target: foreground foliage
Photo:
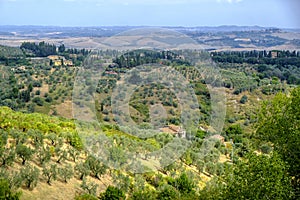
(279, 124)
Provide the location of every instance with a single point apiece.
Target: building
(68, 62)
(54, 57)
(60, 60)
(177, 131)
(274, 54)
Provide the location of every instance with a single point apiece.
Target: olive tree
(30, 176)
(50, 172)
(66, 172)
(24, 152)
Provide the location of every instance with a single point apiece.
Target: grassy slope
(58, 189)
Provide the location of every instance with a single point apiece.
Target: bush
(112, 193)
(106, 118)
(6, 193)
(86, 197)
(38, 101)
(167, 192)
(244, 99)
(48, 99)
(38, 92)
(265, 148)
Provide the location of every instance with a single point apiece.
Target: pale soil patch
(288, 36)
(58, 190)
(223, 158)
(64, 109)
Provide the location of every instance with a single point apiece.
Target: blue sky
(275, 13)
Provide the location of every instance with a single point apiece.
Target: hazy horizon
(176, 13)
(166, 26)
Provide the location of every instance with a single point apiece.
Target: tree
(50, 172)
(90, 187)
(83, 169)
(117, 156)
(184, 184)
(3, 139)
(7, 156)
(18, 136)
(258, 177)
(61, 48)
(24, 152)
(37, 137)
(30, 176)
(75, 141)
(53, 138)
(244, 99)
(219, 169)
(14, 179)
(234, 132)
(6, 192)
(97, 169)
(123, 182)
(278, 123)
(200, 166)
(74, 153)
(167, 192)
(38, 100)
(112, 193)
(210, 167)
(61, 154)
(44, 155)
(145, 194)
(66, 172)
(41, 49)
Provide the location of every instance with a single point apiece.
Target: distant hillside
(211, 38)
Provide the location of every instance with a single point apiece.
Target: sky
(268, 13)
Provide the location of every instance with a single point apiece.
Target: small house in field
(54, 57)
(177, 131)
(274, 54)
(60, 60)
(68, 62)
(57, 63)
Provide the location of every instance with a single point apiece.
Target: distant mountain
(104, 31)
(227, 37)
(226, 28)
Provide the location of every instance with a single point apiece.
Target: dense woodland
(259, 157)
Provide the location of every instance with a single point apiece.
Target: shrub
(112, 193)
(244, 99)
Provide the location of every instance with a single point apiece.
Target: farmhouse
(177, 131)
(60, 60)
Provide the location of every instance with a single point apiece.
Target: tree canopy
(278, 123)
